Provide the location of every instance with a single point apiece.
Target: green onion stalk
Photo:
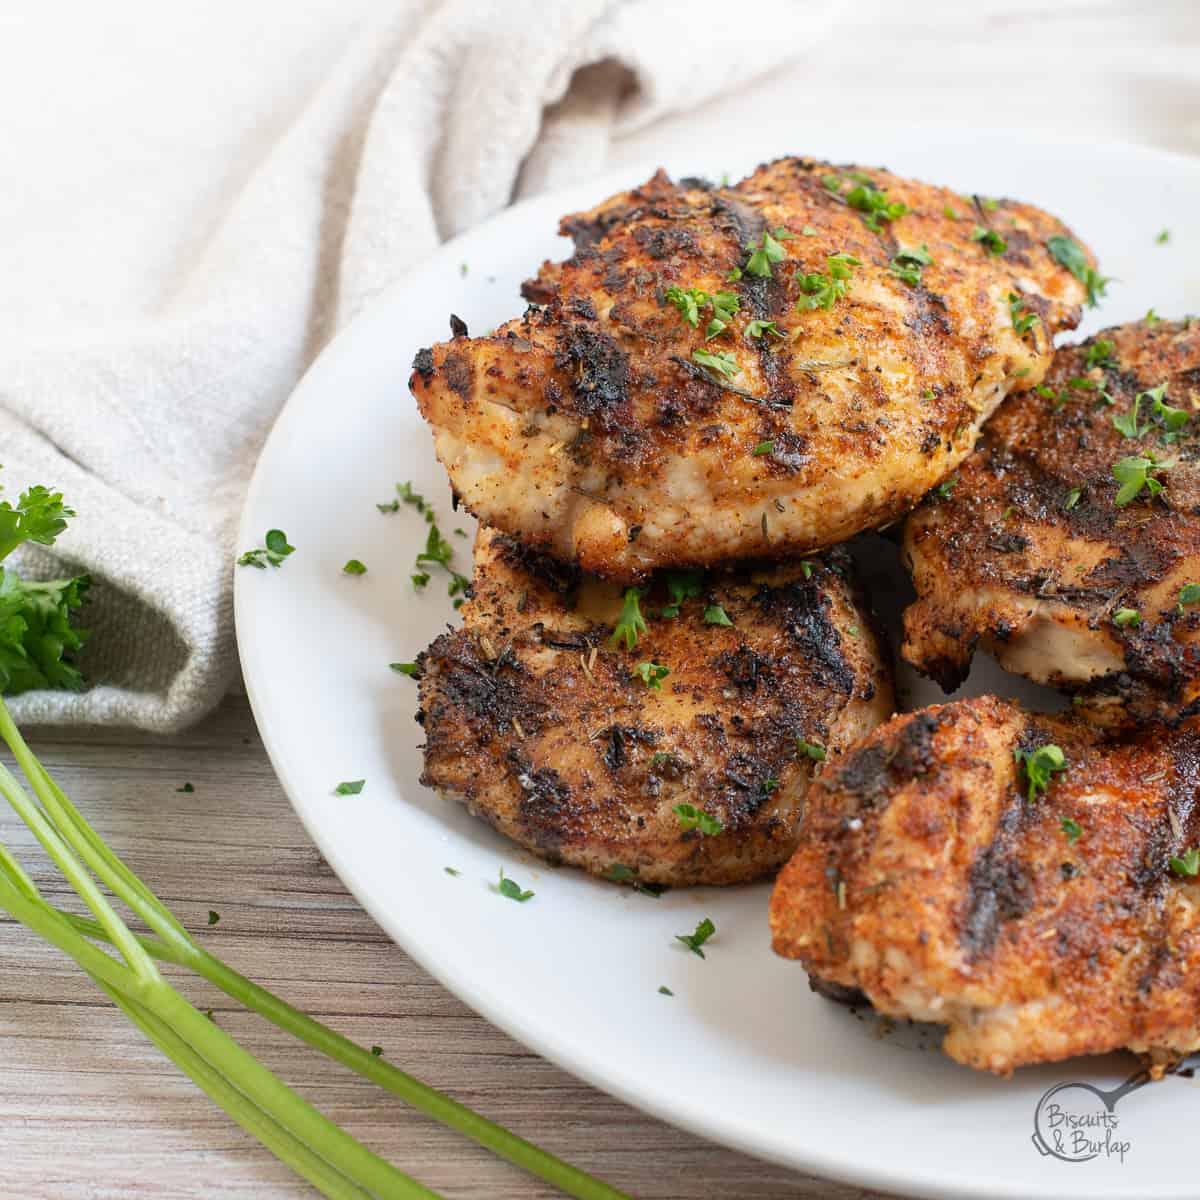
(335, 1163)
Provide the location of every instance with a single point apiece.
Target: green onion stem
(254, 1097)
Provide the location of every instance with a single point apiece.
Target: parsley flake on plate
(512, 890)
(693, 941)
(274, 550)
(410, 669)
(665, 991)
(354, 567)
(349, 787)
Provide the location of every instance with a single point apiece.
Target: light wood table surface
(91, 1111)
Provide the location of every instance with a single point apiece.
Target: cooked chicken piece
(657, 413)
(1038, 555)
(1035, 930)
(581, 750)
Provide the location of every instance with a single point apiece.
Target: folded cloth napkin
(207, 200)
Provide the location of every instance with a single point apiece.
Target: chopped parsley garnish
(762, 448)
(630, 624)
(813, 750)
(1164, 236)
(720, 362)
(1039, 765)
(1189, 594)
(1133, 474)
(1069, 254)
(618, 872)
(438, 552)
(693, 941)
(1127, 423)
(769, 785)
(651, 674)
(410, 669)
(1187, 864)
(874, 204)
(992, 242)
(949, 212)
(665, 991)
(907, 265)
(809, 231)
(512, 889)
(1174, 419)
(945, 489)
(1072, 829)
(681, 586)
(452, 871)
(275, 551)
(186, 788)
(1127, 616)
(354, 567)
(690, 817)
(1151, 317)
(987, 203)
(213, 917)
(756, 329)
(689, 302)
(1100, 354)
(1022, 320)
(768, 252)
(692, 301)
(824, 291)
(714, 614)
(350, 787)
(1073, 498)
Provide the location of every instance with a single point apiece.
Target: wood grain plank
(90, 1111)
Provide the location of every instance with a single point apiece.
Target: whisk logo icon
(1077, 1122)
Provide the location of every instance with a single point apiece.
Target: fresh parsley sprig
(38, 642)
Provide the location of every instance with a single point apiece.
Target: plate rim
(485, 1000)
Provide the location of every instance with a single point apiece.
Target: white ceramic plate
(742, 1053)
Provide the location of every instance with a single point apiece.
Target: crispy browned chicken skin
(1031, 555)
(545, 729)
(927, 880)
(596, 428)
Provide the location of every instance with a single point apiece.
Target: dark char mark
(545, 807)
(880, 767)
(804, 608)
(423, 364)
(599, 371)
